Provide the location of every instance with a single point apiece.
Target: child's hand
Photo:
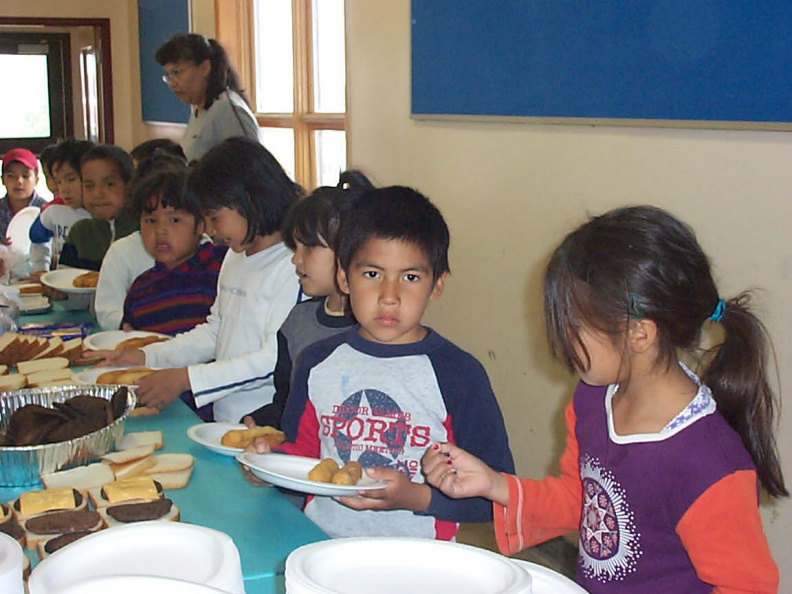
(459, 474)
(248, 421)
(399, 492)
(258, 446)
(122, 358)
(160, 388)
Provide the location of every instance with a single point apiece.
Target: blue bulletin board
(157, 21)
(704, 62)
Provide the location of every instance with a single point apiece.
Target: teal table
(264, 526)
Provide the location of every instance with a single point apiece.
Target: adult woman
(199, 73)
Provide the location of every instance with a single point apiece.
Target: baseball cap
(20, 155)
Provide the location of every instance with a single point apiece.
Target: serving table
(263, 524)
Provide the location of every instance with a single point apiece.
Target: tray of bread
(45, 429)
(71, 280)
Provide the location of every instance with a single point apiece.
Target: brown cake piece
(61, 522)
(31, 424)
(57, 543)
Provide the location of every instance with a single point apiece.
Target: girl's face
(316, 269)
(69, 185)
(227, 227)
(170, 235)
(103, 188)
(606, 360)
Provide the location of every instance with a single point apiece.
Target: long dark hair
(642, 262)
(196, 49)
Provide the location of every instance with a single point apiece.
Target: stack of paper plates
(169, 550)
(399, 565)
(11, 565)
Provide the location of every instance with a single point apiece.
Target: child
(105, 171)
(244, 195)
(50, 229)
(175, 295)
(660, 468)
(47, 156)
(145, 150)
(381, 392)
(20, 176)
(311, 232)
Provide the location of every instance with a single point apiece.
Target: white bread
(41, 544)
(176, 479)
(40, 344)
(13, 381)
(132, 468)
(72, 349)
(33, 539)
(9, 346)
(48, 375)
(28, 367)
(82, 477)
(30, 289)
(171, 463)
(25, 346)
(52, 384)
(141, 411)
(129, 454)
(54, 347)
(172, 516)
(138, 438)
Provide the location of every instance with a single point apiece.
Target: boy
(177, 293)
(20, 176)
(381, 392)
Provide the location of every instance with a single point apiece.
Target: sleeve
(70, 256)
(221, 378)
(541, 510)
(722, 533)
(189, 348)
(270, 414)
(40, 256)
(111, 290)
(39, 233)
(476, 425)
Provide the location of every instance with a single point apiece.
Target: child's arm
(459, 474)
(722, 533)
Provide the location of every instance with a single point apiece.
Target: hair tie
(717, 315)
(634, 307)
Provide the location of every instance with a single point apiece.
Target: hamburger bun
(139, 342)
(123, 376)
(86, 280)
(242, 438)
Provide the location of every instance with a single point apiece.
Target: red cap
(21, 155)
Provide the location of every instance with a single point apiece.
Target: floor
(559, 554)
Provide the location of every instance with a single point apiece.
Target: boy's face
(103, 188)
(69, 185)
(170, 235)
(49, 178)
(19, 181)
(389, 285)
(315, 267)
(227, 227)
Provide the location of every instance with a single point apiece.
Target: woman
(199, 73)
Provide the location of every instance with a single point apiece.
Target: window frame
(235, 26)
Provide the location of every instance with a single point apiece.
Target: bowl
(22, 465)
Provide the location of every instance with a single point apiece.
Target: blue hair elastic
(717, 315)
(634, 306)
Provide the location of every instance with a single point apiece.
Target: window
(296, 77)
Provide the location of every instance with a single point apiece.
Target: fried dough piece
(139, 342)
(350, 474)
(242, 438)
(324, 471)
(88, 279)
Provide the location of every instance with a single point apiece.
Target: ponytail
(737, 376)
(223, 76)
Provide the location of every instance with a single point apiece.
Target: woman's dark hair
(240, 173)
(111, 152)
(161, 180)
(148, 149)
(70, 152)
(197, 49)
(316, 219)
(641, 262)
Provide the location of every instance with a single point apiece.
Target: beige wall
(510, 192)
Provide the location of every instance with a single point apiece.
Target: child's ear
(641, 335)
(437, 290)
(341, 279)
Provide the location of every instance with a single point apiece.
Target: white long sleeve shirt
(254, 296)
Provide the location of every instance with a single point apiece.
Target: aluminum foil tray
(22, 465)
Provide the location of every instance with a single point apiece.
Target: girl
(244, 195)
(105, 171)
(311, 232)
(660, 469)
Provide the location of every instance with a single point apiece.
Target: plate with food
(293, 472)
(230, 439)
(33, 304)
(111, 375)
(122, 339)
(71, 280)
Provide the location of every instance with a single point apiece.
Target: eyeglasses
(173, 74)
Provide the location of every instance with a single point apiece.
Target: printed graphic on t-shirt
(609, 541)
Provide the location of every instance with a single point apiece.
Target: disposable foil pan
(22, 465)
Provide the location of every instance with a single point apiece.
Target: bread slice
(132, 468)
(72, 349)
(28, 367)
(173, 514)
(177, 479)
(3, 369)
(129, 454)
(91, 521)
(35, 380)
(46, 546)
(9, 345)
(40, 344)
(54, 347)
(171, 463)
(82, 477)
(138, 438)
(25, 346)
(13, 381)
(54, 384)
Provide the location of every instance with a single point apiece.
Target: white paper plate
(209, 435)
(89, 376)
(547, 581)
(291, 472)
(398, 565)
(63, 280)
(129, 584)
(173, 550)
(18, 230)
(109, 339)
